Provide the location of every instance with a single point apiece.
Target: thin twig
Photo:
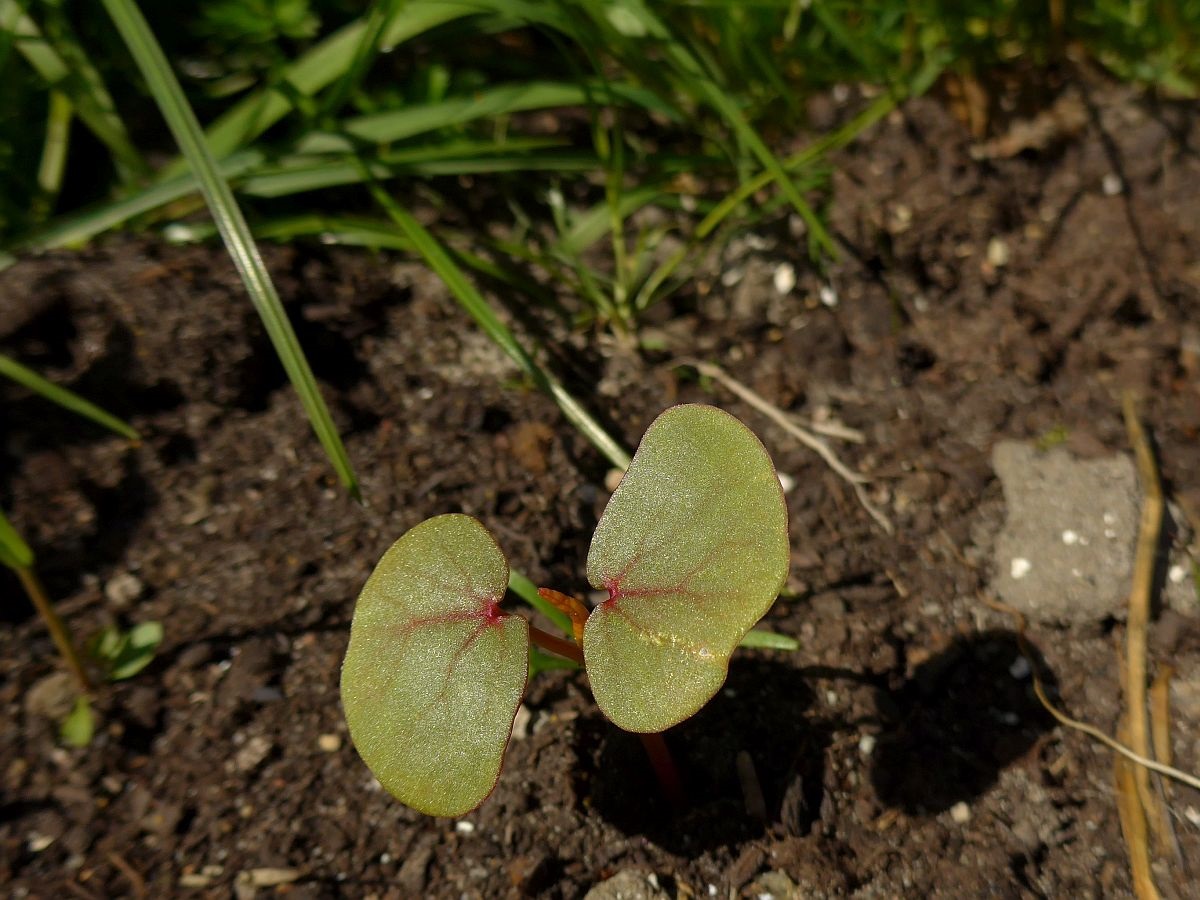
(135, 879)
(58, 631)
(1083, 727)
(1139, 605)
(855, 479)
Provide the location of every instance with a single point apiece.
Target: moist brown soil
(898, 751)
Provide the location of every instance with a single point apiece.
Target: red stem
(664, 768)
(557, 645)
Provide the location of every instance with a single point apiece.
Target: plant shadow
(964, 716)
(760, 716)
(943, 736)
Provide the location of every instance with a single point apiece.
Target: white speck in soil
(960, 813)
(1112, 185)
(464, 827)
(1177, 573)
(1019, 668)
(866, 744)
(1069, 537)
(828, 296)
(785, 278)
(1020, 567)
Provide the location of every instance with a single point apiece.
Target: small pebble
(330, 743)
(997, 252)
(1112, 184)
(1020, 567)
(785, 278)
(866, 744)
(122, 589)
(1177, 573)
(1069, 537)
(520, 728)
(612, 479)
(464, 827)
(828, 296)
(1019, 669)
(960, 813)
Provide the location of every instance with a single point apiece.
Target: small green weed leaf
(77, 728)
(122, 654)
(435, 671)
(693, 550)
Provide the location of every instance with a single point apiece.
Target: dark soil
(897, 752)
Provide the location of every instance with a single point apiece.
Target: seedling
(692, 550)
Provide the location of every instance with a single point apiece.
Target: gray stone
(628, 884)
(1066, 551)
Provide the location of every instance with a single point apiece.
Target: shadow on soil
(761, 711)
(942, 737)
(964, 716)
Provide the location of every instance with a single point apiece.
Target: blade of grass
(815, 151)
(375, 23)
(54, 155)
(79, 80)
(232, 226)
(15, 553)
(296, 175)
(477, 307)
(312, 71)
(398, 124)
(76, 229)
(67, 399)
(692, 75)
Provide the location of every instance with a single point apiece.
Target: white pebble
(960, 813)
(1069, 537)
(1020, 668)
(828, 296)
(1112, 184)
(1192, 815)
(997, 252)
(1177, 573)
(785, 278)
(1020, 567)
(866, 744)
(1110, 518)
(464, 827)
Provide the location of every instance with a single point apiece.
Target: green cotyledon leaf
(435, 670)
(693, 550)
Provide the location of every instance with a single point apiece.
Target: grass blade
(318, 67)
(28, 378)
(232, 226)
(472, 301)
(15, 553)
(78, 80)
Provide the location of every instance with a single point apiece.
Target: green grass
(579, 121)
